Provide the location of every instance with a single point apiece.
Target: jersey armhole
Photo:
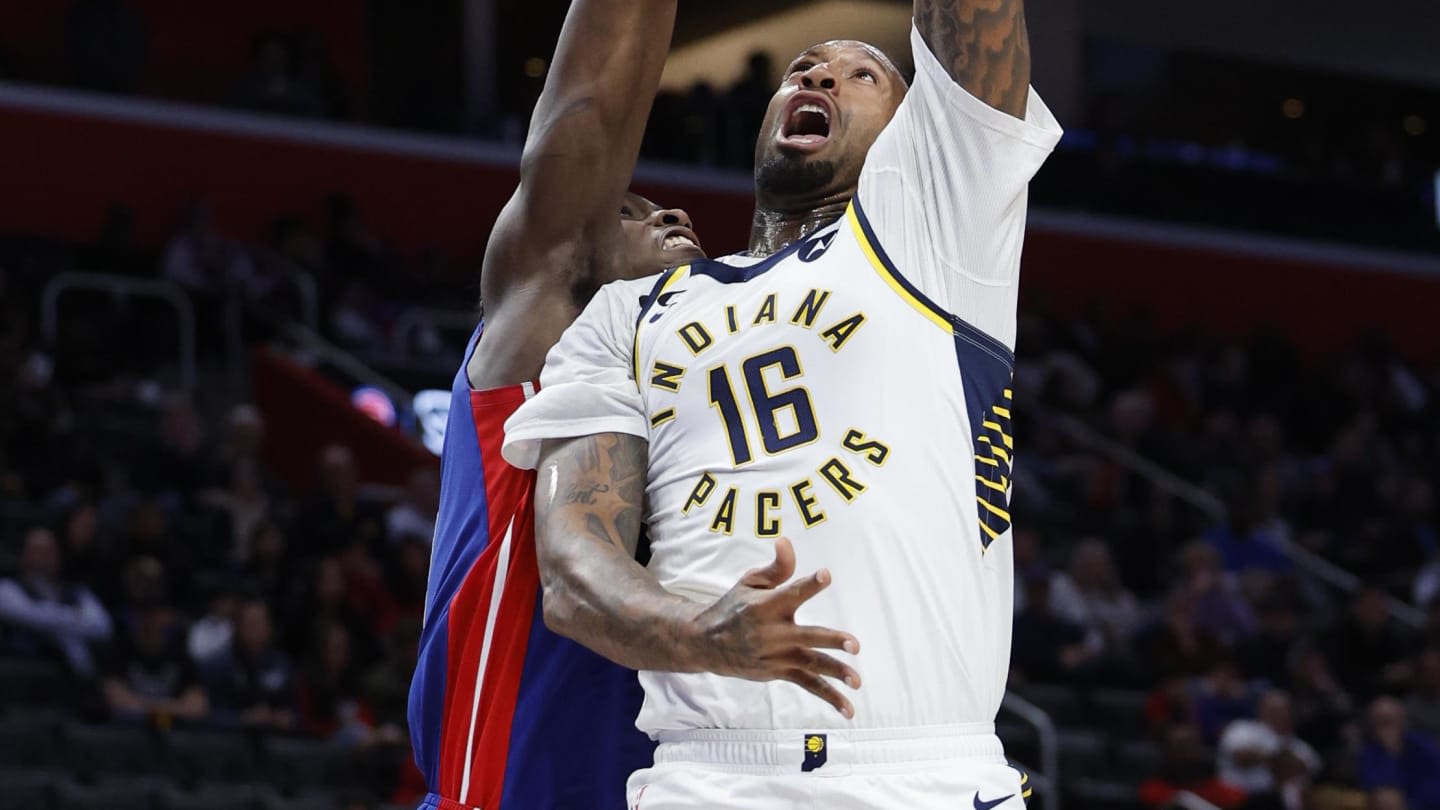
(986, 369)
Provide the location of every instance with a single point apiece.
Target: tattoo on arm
(984, 45)
(586, 535)
(585, 493)
(606, 488)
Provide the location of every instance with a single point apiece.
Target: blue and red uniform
(504, 714)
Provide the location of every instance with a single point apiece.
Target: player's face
(655, 238)
(835, 99)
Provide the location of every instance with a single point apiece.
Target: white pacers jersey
(851, 393)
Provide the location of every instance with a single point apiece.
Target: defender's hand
(751, 633)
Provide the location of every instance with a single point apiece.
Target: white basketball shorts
(923, 768)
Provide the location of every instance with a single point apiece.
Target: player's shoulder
(623, 299)
(634, 287)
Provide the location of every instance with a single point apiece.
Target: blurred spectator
(1263, 756)
(1386, 799)
(1187, 768)
(212, 634)
(1048, 648)
(1092, 596)
(269, 570)
(407, 581)
(415, 515)
(1427, 582)
(106, 44)
(336, 517)
(1266, 655)
(44, 613)
(1321, 705)
(1337, 797)
(328, 690)
(200, 260)
(272, 83)
(252, 682)
(386, 684)
(316, 72)
(244, 436)
(1028, 562)
(178, 463)
(1253, 536)
(351, 250)
(1216, 604)
(85, 559)
(355, 282)
(1370, 651)
(150, 676)
(245, 505)
(1168, 704)
(366, 590)
(1175, 645)
(1423, 705)
(115, 249)
(1220, 697)
(1395, 756)
(328, 600)
(143, 583)
(150, 534)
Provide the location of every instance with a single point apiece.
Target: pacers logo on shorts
(814, 752)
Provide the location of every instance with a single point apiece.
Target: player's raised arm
(584, 140)
(984, 46)
(588, 514)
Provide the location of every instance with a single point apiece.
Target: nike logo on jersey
(979, 805)
(665, 300)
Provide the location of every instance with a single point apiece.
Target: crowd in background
(148, 548)
(1121, 582)
(150, 554)
(150, 551)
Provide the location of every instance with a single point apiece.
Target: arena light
(375, 404)
(1435, 198)
(432, 413)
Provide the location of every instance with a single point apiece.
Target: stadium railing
(1197, 497)
(120, 287)
(1047, 774)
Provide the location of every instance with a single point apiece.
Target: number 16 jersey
(851, 393)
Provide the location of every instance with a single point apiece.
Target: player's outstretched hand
(751, 633)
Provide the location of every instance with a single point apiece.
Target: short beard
(784, 176)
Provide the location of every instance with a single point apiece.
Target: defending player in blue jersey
(505, 715)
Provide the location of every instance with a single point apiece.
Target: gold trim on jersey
(889, 275)
(682, 270)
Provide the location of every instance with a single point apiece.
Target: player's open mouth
(807, 121)
(681, 238)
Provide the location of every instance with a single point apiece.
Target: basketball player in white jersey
(845, 384)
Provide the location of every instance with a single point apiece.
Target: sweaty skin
(590, 490)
